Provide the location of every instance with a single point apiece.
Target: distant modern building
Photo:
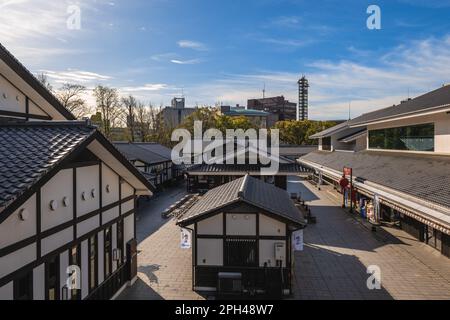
(257, 117)
(303, 89)
(400, 164)
(174, 115)
(279, 108)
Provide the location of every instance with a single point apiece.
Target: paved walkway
(339, 248)
(164, 270)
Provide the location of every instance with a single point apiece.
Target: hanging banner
(376, 208)
(297, 240)
(186, 239)
(320, 178)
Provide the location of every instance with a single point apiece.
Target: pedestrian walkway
(339, 248)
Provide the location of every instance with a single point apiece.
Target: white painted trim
(117, 294)
(428, 153)
(407, 115)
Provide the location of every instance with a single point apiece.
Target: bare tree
(109, 107)
(130, 103)
(71, 97)
(43, 79)
(143, 117)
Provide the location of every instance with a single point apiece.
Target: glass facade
(413, 138)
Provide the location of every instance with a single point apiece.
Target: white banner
(186, 239)
(297, 240)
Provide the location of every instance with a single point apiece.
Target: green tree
(298, 132)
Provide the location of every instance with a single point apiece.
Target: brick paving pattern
(340, 247)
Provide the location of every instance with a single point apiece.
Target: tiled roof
(422, 176)
(28, 151)
(156, 148)
(250, 190)
(244, 168)
(435, 99)
(136, 152)
(332, 130)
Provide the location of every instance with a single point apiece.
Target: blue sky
(225, 51)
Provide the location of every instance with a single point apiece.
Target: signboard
(186, 239)
(297, 240)
(376, 208)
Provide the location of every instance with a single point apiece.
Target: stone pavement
(164, 270)
(339, 248)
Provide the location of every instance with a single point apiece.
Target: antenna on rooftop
(349, 110)
(264, 91)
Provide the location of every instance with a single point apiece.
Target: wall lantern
(53, 205)
(66, 202)
(17, 98)
(5, 96)
(23, 214)
(93, 193)
(108, 188)
(83, 196)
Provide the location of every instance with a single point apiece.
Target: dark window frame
(76, 293)
(55, 258)
(17, 286)
(107, 239)
(95, 257)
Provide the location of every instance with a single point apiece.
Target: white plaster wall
(128, 227)
(84, 269)
(271, 227)
(17, 259)
(34, 109)
(56, 241)
(114, 244)
(210, 252)
(87, 180)
(109, 215)
(39, 282)
(212, 225)
(88, 225)
(101, 258)
(63, 264)
(267, 252)
(241, 224)
(127, 190)
(109, 177)
(14, 101)
(13, 229)
(7, 291)
(127, 206)
(60, 186)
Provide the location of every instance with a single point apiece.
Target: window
(120, 241)
(52, 278)
(75, 260)
(23, 287)
(240, 252)
(108, 253)
(92, 262)
(414, 138)
(326, 143)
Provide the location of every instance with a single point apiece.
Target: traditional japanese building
(401, 155)
(241, 235)
(67, 198)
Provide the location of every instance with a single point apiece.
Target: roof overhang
(403, 116)
(434, 214)
(24, 81)
(352, 137)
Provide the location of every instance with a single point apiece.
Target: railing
(111, 285)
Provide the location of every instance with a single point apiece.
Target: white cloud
(146, 87)
(191, 61)
(415, 68)
(75, 76)
(195, 45)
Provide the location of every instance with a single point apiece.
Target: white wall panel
(210, 252)
(111, 179)
(84, 269)
(39, 282)
(127, 206)
(212, 225)
(88, 225)
(17, 259)
(13, 229)
(56, 240)
(241, 224)
(109, 215)
(128, 227)
(271, 227)
(58, 188)
(7, 291)
(87, 181)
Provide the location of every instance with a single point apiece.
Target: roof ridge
(50, 123)
(243, 187)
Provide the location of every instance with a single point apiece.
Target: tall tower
(302, 108)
